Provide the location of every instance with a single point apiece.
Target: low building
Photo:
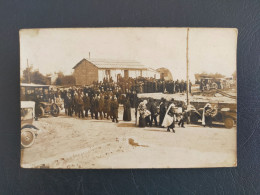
(165, 74)
(88, 71)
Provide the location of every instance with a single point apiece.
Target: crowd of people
(168, 113)
(95, 103)
(101, 101)
(88, 102)
(144, 85)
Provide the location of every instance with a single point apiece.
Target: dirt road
(66, 142)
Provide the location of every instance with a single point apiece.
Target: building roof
(167, 73)
(115, 64)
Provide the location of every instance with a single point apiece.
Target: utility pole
(187, 62)
(29, 72)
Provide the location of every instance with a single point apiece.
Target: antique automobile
(28, 130)
(223, 114)
(208, 83)
(40, 94)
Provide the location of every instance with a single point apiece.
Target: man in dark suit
(114, 109)
(153, 110)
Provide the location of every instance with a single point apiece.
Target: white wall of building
(102, 73)
(134, 73)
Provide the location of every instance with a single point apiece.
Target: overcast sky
(210, 49)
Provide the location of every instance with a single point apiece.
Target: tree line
(31, 75)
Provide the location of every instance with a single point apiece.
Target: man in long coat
(100, 106)
(80, 105)
(153, 110)
(114, 109)
(66, 103)
(69, 104)
(106, 108)
(127, 110)
(92, 106)
(95, 107)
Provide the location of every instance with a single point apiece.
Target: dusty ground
(66, 142)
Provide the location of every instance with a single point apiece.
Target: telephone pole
(29, 72)
(187, 62)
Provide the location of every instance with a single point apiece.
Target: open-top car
(28, 130)
(226, 114)
(43, 98)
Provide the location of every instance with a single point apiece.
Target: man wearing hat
(114, 109)
(153, 110)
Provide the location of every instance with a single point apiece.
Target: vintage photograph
(120, 98)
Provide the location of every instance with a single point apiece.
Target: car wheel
(55, 110)
(229, 123)
(27, 137)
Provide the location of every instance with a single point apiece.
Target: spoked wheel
(27, 137)
(55, 110)
(215, 85)
(229, 123)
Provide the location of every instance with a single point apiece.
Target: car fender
(29, 126)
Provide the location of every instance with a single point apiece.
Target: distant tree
(58, 81)
(217, 75)
(38, 78)
(27, 75)
(68, 80)
(33, 76)
(210, 75)
(65, 80)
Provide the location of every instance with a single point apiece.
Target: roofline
(144, 68)
(124, 68)
(79, 63)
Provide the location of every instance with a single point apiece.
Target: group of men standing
(101, 100)
(99, 106)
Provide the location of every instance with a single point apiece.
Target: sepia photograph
(125, 98)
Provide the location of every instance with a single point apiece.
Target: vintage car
(226, 115)
(40, 94)
(28, 130)
(208, 83)
(47, 108)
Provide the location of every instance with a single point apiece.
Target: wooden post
(29, 72)
(187, 61)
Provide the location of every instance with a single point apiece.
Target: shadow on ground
(126, 125)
